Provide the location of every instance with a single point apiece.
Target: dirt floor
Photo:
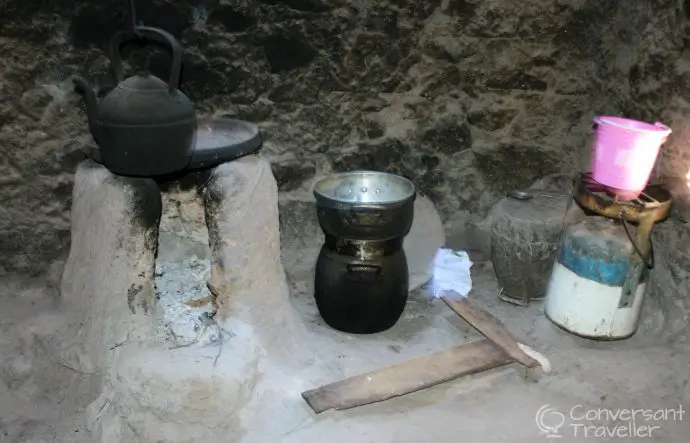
(594, 385)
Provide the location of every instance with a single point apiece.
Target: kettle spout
(91, 104)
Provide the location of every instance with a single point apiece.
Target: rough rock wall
(643, 71)
(654, 72)
(657, 85)
(466, 97)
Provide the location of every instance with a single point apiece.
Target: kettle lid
(145, 100)
(143, 83)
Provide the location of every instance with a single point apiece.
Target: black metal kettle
(143, 127)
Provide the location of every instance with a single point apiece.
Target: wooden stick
(491, 327)
(410, 376)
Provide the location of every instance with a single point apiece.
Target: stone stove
(144, 327)
(188, 320)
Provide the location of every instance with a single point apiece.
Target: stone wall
(466, 97)
(654, 67)
(643, 70)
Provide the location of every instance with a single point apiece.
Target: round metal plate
(223, 140)
(218, 141)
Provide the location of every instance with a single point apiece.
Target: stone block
(241, 201)
(108, 277)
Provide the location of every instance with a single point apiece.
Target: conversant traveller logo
(583, 422)
(550, 421)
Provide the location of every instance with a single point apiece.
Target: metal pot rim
(324, 199)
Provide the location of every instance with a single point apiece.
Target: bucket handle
(665, 128)
(648, 264)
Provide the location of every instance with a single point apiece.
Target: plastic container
(588, 280)
(625, 152)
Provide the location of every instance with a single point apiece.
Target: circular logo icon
(549, 421)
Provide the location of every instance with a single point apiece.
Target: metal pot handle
(367, 271)
(148, 33)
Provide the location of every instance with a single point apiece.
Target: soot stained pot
(361, 281)
(143, 127)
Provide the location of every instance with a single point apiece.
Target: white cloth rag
(451, 272)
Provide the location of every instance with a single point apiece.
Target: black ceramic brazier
(361, 280)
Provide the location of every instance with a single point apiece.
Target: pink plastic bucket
(625, 152)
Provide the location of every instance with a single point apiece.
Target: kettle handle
(149, 33)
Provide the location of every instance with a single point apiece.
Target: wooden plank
(410, 376)
(491, 327)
